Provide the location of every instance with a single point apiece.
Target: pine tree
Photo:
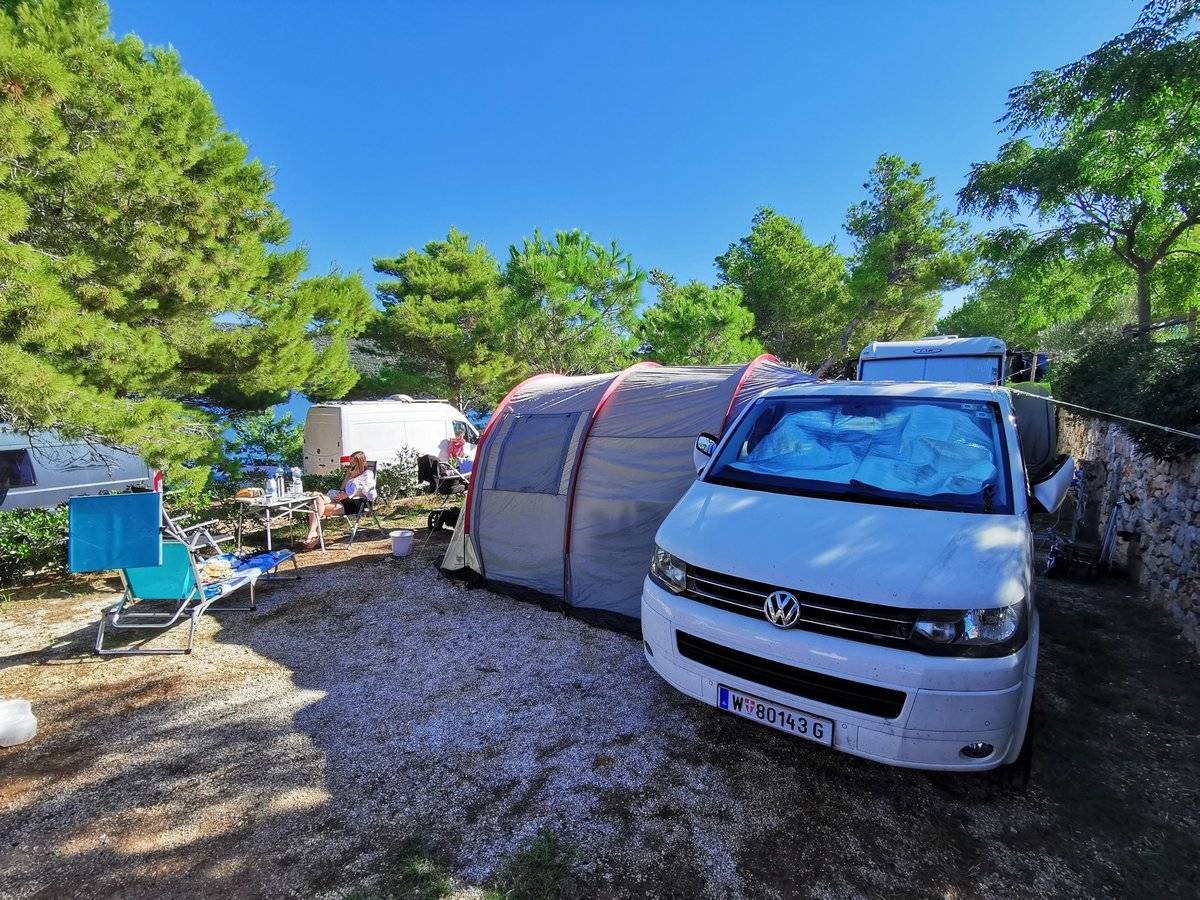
(572, 304)
(441, 328)
(695, 324)
(143, 284)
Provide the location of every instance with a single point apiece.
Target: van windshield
(902, 451)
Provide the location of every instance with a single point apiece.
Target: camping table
(277, 507)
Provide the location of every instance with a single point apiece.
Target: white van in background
(380, 428)
(979, 360)
(43, 469)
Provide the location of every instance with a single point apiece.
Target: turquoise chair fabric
(114, 531)
(172, 580)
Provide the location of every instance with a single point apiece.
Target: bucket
(401, 542)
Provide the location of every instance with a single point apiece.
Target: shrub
(32, 542)
(398, 477)
(1156, 381)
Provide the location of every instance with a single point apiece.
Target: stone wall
(1162, 509)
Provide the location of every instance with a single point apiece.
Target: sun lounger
(157, 597)
(163, 582)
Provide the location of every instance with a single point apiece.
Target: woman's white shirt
(361, 486)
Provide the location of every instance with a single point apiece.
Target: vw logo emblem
(782, 609)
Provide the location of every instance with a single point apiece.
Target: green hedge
(32, 542)
(1157, 381)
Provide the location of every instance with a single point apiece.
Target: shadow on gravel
(477, 722)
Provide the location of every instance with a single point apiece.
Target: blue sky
(663, 125)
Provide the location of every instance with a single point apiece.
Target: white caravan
(43, 469)
(379, 428)
(944, 358)
(854, 566)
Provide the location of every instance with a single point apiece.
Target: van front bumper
(949, 701)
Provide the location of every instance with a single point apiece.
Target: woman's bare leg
(320, 502)
(324, 508)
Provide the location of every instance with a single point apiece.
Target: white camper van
(944, 358)
(43, 469)
(854, 567)
(379, 428)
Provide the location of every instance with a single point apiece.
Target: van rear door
(323, 440)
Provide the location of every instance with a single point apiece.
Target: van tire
(1014, 776)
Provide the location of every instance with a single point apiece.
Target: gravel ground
(372, 702)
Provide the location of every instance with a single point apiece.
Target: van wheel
(435, 520)
(1014, 776)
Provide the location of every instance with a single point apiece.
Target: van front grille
(850, 619)
(868, 699)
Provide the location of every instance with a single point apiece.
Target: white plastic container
(401, 542)
(18, 724)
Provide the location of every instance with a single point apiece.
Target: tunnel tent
(574, 474)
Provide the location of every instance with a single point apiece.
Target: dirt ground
(373, 703)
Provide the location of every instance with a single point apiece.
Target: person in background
(358, 487)
(457, 451)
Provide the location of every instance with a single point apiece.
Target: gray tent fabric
(573, 476)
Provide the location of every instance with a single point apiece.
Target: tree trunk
(844, 346)
(1143, 299)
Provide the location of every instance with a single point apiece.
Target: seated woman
(358, 487)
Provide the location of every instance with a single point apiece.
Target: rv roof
(941, 346)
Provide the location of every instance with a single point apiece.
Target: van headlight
(994, 631)
(668, 571)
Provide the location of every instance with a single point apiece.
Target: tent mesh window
(534, 452)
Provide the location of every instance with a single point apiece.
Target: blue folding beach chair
(162, 581)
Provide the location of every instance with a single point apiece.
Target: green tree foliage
(142, 279)
(907, 251)
(1020, 303)
(1103, 153)
(794, 288)
(695, 324)
(1156, 381)
(572, 304)
(441, 331)
(260, 440)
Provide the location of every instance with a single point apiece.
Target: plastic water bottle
(18, 724)
(297, 481)
(271, 485)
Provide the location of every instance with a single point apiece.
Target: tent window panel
(534, 452)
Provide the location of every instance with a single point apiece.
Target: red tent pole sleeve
(741, 383)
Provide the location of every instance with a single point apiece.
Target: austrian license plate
(783, 718)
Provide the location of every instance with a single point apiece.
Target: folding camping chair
(195, 536)
(368, 506)
(156, 597)
(446, 482)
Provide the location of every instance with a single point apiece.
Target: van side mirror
(1052, 489)
(706, 444)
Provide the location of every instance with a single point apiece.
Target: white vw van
(854, 566)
